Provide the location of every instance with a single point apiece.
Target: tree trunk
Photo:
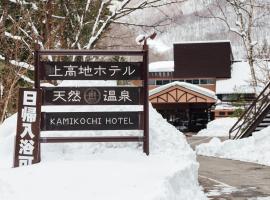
(7, 99)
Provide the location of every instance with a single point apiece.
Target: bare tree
(244, 18)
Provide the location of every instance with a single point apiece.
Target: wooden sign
(64, 70)
(90, 70)
(28, 127)
(91, 95)
(90, 121)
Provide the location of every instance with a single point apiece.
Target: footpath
(231, 179)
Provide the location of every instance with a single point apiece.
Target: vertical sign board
(28, 127)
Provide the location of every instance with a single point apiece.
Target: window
(158, 82)
(210, 81)
(189, 81)
(151, 82)
(203, 81)
(169, 74)
(180, 80)
(195, 81)
(222, 113)
(166, 82)
(230, 113)
(162, 82)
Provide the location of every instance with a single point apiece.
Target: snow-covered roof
(161, 66)
(188, 86)
(225, 106)
(239, 82)
(203, 41)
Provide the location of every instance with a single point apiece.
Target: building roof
(161, 66)
(240, 81)
(188, 86)
(204, 59)
(203, 41)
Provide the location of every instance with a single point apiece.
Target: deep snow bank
(103, 171)
(252, 149)
(218, 127)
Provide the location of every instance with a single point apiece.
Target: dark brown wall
(209, 60)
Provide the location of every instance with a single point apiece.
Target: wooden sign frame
(144, 117)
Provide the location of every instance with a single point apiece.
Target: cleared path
(231, 179)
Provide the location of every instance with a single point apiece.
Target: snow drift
(103, 171)
(252, 149)
(218, 127)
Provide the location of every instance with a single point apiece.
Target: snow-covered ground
(218, 127)
(103, 171)
(252, 149)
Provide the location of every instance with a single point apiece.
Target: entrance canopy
(181, 92)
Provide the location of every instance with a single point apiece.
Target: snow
(22, 64)
(203, 41)
(225, 106)
(251, 149)
(140, 39)
(156, 45)
(13, 36)
(238, 83)
(218, 127)
(188, 86)
(1, 90)
(81, 83)
(19, 64)
(99, 178)
(254, 43)
(103, 170)
(114, 5)
(161, 66)
(25, 78)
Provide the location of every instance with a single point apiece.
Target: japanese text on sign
(90, 71)
(28, 116)
(91, 96)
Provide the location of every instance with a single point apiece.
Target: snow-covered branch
(58, 17)
(20, 28)
(15, 37)
(97, 21)
(25, 78)
(19, 64)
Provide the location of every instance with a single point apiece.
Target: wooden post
(37, 87)
(146, 100)
(36, 63)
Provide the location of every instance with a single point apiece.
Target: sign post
(92, 95)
